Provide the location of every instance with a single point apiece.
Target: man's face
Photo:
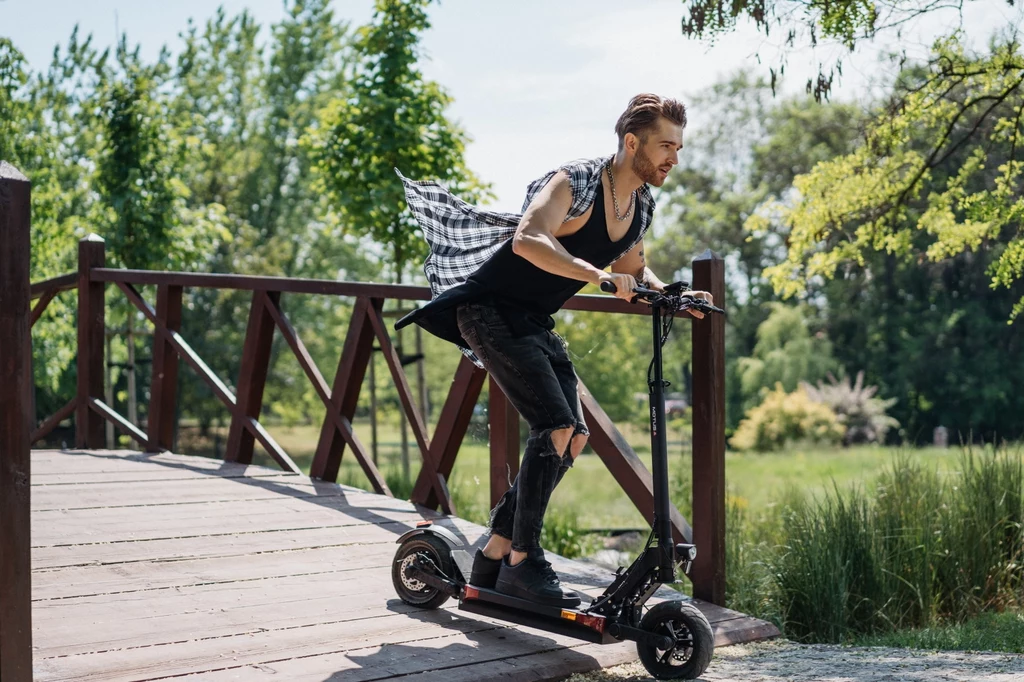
(654, 158)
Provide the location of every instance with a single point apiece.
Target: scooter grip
(608, 287)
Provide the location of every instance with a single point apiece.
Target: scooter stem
(659, 456)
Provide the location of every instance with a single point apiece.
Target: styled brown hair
(643, 112)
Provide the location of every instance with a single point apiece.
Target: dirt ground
(780, 660)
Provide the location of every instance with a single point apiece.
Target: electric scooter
(673, 638)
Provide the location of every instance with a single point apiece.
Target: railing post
(252, 377)
(504, 441)
(164, 389)
(16, 421)
(91, 325)
(709, 435)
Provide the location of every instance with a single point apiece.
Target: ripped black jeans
(537, 377)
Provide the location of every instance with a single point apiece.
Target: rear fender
(423, 528)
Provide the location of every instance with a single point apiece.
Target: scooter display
(673, 638)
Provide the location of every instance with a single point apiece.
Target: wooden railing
(439, 450)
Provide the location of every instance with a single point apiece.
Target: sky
(536, 83)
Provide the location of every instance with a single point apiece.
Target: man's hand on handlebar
(610, 285)
(699, 295)
(623, 283)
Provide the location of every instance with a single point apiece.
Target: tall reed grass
(920, 549)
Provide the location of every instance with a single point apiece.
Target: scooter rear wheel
(695, 642)
(415, 592)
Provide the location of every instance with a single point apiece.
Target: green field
(754, 480)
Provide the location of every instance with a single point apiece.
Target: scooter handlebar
(687, 300)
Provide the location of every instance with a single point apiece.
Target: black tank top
(526, 295)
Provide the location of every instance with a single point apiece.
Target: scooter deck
(569, 622)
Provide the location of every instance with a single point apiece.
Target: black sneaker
(485, 571)
(533, 579)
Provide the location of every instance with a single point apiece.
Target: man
(497, 278)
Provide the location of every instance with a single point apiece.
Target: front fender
(422, 529)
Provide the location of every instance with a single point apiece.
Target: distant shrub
(785, 417)
(863, 415)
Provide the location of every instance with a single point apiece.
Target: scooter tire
(682, 621)
(410, 590)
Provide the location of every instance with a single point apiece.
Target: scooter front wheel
(694, 641)
(430, 550)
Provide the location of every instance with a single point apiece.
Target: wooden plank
(708, 337)
(125, 426)
(16, 419)
(164, 388)
(387, 349)
(238, 544)
(60, 526)
(625, 465)
(451, 429)
(579, 657)
(743, 630)
(64, 462)
(299, 349)
(348, 380)
(341, 422)
(91, 328)
(100, 623)
(252, 378)
(504, 442)
(271, 446)
(54, 420)
(56, 284)
(438, 656)
(183, 349)
(178, 492)
(203, 654)
(41, 306)
(329, 563)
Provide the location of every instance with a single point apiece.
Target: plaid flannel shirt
(462, 237)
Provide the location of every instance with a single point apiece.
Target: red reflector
(470, 592)
(424, 524)
(592, 622)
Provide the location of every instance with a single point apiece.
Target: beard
(645, 168)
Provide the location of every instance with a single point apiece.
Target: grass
(755, 482)
(916, 548)
(987, 632)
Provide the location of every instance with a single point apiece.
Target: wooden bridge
(150, 566)
(147, 565)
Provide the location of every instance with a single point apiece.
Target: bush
(785, 417)
(858, 409)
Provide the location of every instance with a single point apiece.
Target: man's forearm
(651, 280)
(549, 255)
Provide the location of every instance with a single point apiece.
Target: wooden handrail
(296, 285)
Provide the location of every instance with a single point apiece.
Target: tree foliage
(936, 177)
(393, 118)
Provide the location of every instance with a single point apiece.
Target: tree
(938, 177)
(787, 353)
(393, 118)
(845, 23)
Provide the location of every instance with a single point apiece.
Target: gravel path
(777, 661)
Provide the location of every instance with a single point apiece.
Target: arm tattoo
(641, 275)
